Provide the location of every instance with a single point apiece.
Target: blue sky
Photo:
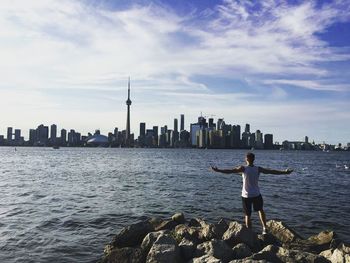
(282, 66)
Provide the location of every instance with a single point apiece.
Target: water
(65, 205)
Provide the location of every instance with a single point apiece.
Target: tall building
(127, 134)
(9, 134)
(247, 128)
(17, 135)
(63, 137)
(42, 133)
(32, 137)
(176, 125)
(259, 144)
(268, 141)
(53, 132)
(182, 122)
(142, 129)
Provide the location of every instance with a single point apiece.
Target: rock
(164, 249)
(149, 240)
(179, 218)
(166, 225)
(314, 244)
(216, 248)
(207, 231)
(132, 235)
(240, 251)
(194, 222)
(187, 248)
(220, 228)
(125, 255)
(278, 254)
(247, 261)
(187, 232)
(205, 259)
(281, 231)
(268, 239)
(237, 233)
(338, 255)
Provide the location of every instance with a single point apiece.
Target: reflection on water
(65, 205)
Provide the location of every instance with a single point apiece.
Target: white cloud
(69, 45)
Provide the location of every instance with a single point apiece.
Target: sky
(281, 66)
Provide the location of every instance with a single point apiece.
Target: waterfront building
(268, 141)
(42, 133)
(211, 123)
(53, 133)
(9, 134)
(235, 136)
(220, 124)
(17, 135)
(155, 135)
(63, 137)
(259, 144)
(251, 140)
(194, 127)
(32, 137)
(182, 122)
(247, 128)
(141, 138)
(216, 139)
(128, 140)
(175, 125)
(2, 140)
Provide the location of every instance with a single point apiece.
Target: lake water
(65, 205)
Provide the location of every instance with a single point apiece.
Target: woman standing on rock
(250, 190)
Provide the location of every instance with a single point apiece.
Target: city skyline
(280, 66)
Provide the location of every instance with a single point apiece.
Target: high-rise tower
(128, 103)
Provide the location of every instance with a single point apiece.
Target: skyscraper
(53, 133)
(182, 124)
(175, 125)
(9, 134)
(142, 129)
(128, 103)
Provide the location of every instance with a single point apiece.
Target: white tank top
(250, 177)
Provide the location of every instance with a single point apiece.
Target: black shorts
(247, 203)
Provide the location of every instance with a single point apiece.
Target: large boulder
(216, 248)
(179, 218)
(164, 249)
(149, 240)
(125, 255)
(187, 248)
(245, 260)
(188, 232)
(166, 225)
(273, 253)
(220, 228)
(338, 255)
(241, 251)
(205, 259)
(282, 232)
(237, 233)
(314, 244)
(132, 235)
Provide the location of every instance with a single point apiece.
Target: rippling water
(65, 205)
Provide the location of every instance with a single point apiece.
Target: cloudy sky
(282, 66)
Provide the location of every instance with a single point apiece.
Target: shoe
(264, 232)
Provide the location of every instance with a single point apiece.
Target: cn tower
(128, 103)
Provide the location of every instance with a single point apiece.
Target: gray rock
(190, 233)
(207, 231)
(205, 259)
(164, 249)
(166, 225)
(278, 254)
(247, 261)
(220, 228)
(187, 248)
(179, 218)
(237, 233)
(338, 255)
(282, 232)
(149, 240)
(216, 248)
(194, 222)
(125, 255)
(268, 239)
(314, 244)
(241, 250)
(132, 235)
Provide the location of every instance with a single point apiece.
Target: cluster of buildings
(205, 133)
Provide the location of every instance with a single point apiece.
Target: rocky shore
(176, 240)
